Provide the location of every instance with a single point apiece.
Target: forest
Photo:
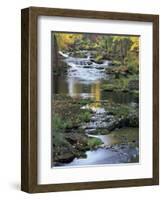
(122, 50)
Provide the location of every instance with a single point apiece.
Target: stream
(83, 80)
(107, 156)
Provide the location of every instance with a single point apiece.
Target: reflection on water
(107, 156)
(119, 154)
(76, 88)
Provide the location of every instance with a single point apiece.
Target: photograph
(95, 99)
(89, 99)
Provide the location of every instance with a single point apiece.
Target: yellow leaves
(133, 39)
(135, 43)
(120, 38)
(66, 39)
(122, 43)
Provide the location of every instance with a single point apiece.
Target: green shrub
(85, 116)
(132, 62)
(116, 63)
(94, 142)
(85, 101)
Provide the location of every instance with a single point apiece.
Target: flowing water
(107, 156)
(83, 79)
(114, 151)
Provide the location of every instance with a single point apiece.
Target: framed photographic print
(90, 99)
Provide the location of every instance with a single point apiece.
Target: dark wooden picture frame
(29, 87)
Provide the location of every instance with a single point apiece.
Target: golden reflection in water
(96, 93)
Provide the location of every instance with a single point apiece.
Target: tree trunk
(54, 54)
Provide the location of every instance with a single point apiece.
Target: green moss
(85, 101)
(85, 116)
(94, 142)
